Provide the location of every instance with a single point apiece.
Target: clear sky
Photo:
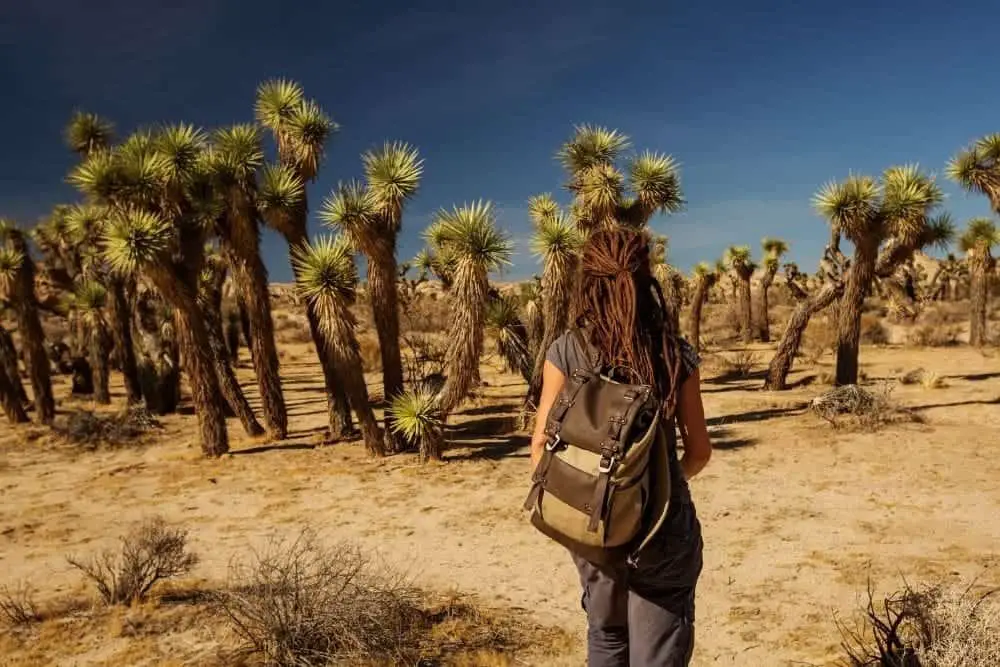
(761, 102)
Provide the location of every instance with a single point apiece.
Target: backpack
(602, 485)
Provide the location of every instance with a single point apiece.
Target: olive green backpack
(602, 485)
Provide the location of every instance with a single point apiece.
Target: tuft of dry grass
(17, 605)
(863, 409)
(740, 365)
(149, 553)
(930, 335)
(92, 430)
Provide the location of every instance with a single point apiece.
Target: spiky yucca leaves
(327, 279)
(705, 276)
(142, 241)
(237, 154)
(557, 241)
(896, 212)
(604, 196)
(774, 250)
(17, 286)
(504, 322)
(90, 299)
(416, 417)
(469, 232)
(740, 262)
(977, 169)
(977, 243)
(211, 280)
(300, 131)
(88, 132)
(542, 207)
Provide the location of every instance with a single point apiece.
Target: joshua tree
(8, 359)
(87, 133)
(773, 249)
(213, 275)
(895, 212)
(10, 400)
(557, 241)
(300, 130)
(392, 175)
(146, 242)
(327, 278)
(603, 195)
(17, 285)
(89, 301)
(234, 158)
(977, 243)
(511, 335)
(740, 263)
(705, 276)
(977, 169)
(470, 234)
(416, 417)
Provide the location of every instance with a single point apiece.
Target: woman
(640, 614)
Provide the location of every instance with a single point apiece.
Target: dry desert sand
(796, 514)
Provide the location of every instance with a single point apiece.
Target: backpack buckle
(606, 468)
(552, 444)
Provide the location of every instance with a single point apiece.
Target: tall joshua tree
(470, 233)
(392, 176)
(977, 169)
(739, 261)
(774, 250)
(235, 156)
(17, 284)
(557, 241)
(327, 278)
(705, 276)
(145, 241)
(300, 130)
(977, 243)
(870, 214)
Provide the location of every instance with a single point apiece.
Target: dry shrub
(126, 428)
(299, 602)
(17, 605)
(945, 312)
(930, 335)
(291, 329)
(149, 553)
(423, 359)
(429, 312)
(850, 405)
(740, 364)
(935, 626)
(912, 377)
(932, 380)
(873, 332)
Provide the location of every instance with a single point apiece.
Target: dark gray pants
(635, 623)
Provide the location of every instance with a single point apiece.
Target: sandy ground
(796, 515)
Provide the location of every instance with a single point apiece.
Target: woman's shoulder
(565, 353)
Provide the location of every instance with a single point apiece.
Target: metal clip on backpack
(591, 489)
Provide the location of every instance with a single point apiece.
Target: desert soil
(796, 514)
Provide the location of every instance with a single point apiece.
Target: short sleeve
(558, 354)
(690, 360)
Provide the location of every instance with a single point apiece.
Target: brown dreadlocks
(621, 305)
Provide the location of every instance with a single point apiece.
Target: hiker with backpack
(607, 482)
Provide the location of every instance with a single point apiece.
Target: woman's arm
(694, 431)
(552, 382)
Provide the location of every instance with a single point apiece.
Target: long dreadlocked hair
(620, 304)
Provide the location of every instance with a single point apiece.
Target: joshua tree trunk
(8, 360)
(746, 309)
(697, 303)
(556, 292)
(384, 298)
(343, 349)
(230, 386)
(788, 347)
(11, 401)
(432, 444)
(121, 334)
(978, 293)
(858, 283)
(100, 346)
(32, 335)
(338, 407)
(233, 335)
(158, 373)
(241, 309)
(197, 356)
(466, 346)
(764, 309)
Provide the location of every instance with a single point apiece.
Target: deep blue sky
(761, 102)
